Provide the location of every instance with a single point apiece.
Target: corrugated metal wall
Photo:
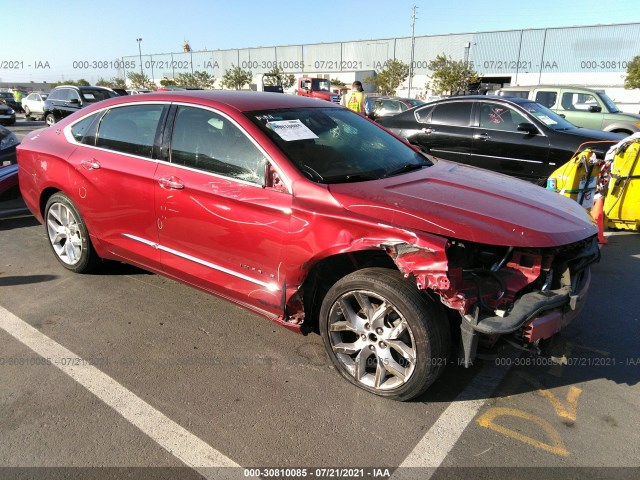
(592, 49)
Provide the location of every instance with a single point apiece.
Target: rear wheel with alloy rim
(50, 119)
(383, 335)
(68, 235)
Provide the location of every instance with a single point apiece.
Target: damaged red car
(316, 218)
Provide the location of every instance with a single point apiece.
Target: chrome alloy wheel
(372, 340)
(64, 233)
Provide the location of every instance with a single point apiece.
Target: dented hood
(467, 203)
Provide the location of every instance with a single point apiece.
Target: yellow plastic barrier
(577, 179)
(622, 202)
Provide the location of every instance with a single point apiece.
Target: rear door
(116, 164)
(446, 130)
(219, 226)
(499, 146)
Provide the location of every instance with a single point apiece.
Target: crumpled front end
(530, 292)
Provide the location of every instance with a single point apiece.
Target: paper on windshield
(290, 130)
(547, 120)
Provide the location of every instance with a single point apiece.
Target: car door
(446, 130)
(582, 109)
(219, 227)
(115, 164)
(498, 145)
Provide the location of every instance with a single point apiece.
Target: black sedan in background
(514, 136)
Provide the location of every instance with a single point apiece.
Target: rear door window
(423, 115)
(457, 114)
(130, 129)
(546, 98)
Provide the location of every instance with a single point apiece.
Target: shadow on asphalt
(13, 222)
(25, 279)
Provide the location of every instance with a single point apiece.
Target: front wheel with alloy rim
(50, 119)
(383, 335)
(68, 235)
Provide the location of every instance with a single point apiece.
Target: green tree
(197, 79)
(633, 73)
(235, 78)
(115, 82)
(450, 76)
(337, 83)
(140, 81)
(281, 78)
(167, 81)
(79, 83)
(388, 80)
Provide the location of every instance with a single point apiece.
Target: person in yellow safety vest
(17, 96)
(356, 99)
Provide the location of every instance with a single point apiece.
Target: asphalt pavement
(126, 374)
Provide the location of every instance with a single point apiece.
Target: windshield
(546, 116)
(335, 145)
(320, 85)
(92, 96)
(611, 106)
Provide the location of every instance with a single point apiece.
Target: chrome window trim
(272, 287)
(508, 158)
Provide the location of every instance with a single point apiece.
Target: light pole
(139, 40)
(413, 43)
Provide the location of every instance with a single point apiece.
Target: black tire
(27, 113)
(426, 335)
(50, 119)
(68, 236)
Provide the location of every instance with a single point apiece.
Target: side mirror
(595, 108)
(273, 180)
(74, 101)
(527, 127)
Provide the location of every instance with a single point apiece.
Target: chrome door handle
(481, 136)
(427, 131)
(92, 164)
(171, 183)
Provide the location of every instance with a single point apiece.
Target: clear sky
(65, 31)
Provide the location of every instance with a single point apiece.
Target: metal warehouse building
(594, 56)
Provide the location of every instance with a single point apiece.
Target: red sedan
(316, 218)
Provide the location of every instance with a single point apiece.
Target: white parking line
(443, 435)
(165, 432)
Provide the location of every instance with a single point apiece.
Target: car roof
(83, 87)
(534, 87)
(243, 101)
(496, 98)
